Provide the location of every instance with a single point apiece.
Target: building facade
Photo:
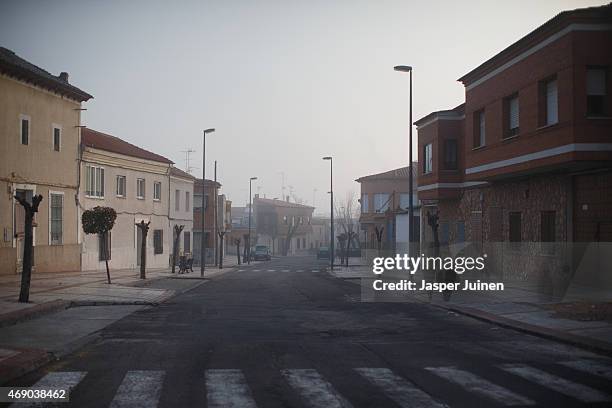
(39, 139)
(283, 226)
(385, 197)
(136, 183)
(181, 211)
(207, 190)
(522, 170)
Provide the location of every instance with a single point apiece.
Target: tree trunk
(238, 251)
(28, 250)
(221, 250)
(144, 227)
(106, 257)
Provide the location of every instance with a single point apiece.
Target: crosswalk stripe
(314, 389)
(591, 367)
(476, 384)
(256, 270)
(561, 385)
(65, 380)
(271, 270)
(285, 270)
(300, 270)
(228, 388)
(139, 388)
(316, 270)
(405, 394)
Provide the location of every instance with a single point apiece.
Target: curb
(23, 363)
(9, 319)
(598, 346)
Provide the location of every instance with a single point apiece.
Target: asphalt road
(287, 334)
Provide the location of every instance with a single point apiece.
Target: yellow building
(39, 154)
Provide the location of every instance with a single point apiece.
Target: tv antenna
(188, 167)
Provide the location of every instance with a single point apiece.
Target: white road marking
(271, 270)
(285, 270)
(241, 270)
(473, 383)
(256, 270)
(592, 367)
(314, 389)
(65, 380)
(561, 385)
(316, 270)
(139, 388)
(404, 393)
(300, 270)
(228, 388)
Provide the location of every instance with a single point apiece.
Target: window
(450, 154)
(120, 186)
(158, 241)
(511, 107)
(104, 247)
(428, 162)
(186, 241)
(405, 200)
(547, 230)
(365, 201)
(596, 91)
(177, 200)
(444, 232)
(57, 138)
(156, 191)
(94, 181)
(187, 201)
(284, 219)
(56, 216)
(514, 231)
(25, 130)
(479, 128)
(551, 102)
(460, 237)
(381, 202)
(140, 188)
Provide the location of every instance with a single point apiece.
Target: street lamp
(331, 209)
(202, 208)
(406, 68)
(250, 210)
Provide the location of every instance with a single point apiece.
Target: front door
(19, 225)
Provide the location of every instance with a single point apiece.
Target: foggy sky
(283, 82)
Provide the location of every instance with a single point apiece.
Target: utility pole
(215, 214)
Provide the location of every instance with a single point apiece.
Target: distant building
(181, 208)
(385, 199)
(207, 190)
(281, 225)
(525, 165)
(135, 182)
(40, 116)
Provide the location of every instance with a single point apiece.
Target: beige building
(39, 152)
(136, 183)
(181, 208)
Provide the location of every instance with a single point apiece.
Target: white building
(135, 182)
(181, 208)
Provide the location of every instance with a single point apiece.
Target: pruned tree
(100, 221)
(346, 215)
(246, 245)
(378, 230)
(290, 233)
(342, 240)
(28, 247)
(144, 229)
(175, 244)
(237, 243)
(221, 236)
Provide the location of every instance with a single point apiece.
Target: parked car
(323, 253)
(261, 253)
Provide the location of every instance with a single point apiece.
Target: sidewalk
(520, 306)
(50, 326)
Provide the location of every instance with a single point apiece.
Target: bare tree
(175, 245)
(221, 236)
(26, 274)
(237, 243)
(346, 214)
(144, 228)
(379, 234)
(290, 232)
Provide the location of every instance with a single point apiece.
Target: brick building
(523, 169)
(208, 189)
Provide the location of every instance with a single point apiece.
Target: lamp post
(202, 208)
(406, 68)
(250, 210)
(331, 209)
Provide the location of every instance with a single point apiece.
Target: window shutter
(552, 115)
(481, 119)
(596, 81)
(514, 113)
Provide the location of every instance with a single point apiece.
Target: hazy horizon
(283, 82)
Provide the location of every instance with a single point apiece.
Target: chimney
(63, 76)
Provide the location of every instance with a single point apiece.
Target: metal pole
(215, 214)
(249, 240)
(411, 224)
(331, 194)
(202, 208)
